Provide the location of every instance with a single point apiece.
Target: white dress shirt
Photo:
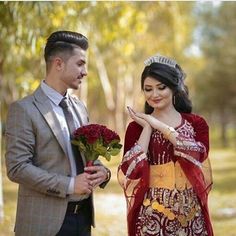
(55, 98)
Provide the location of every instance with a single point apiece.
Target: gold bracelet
(170, 131)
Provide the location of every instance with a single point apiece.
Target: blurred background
(199, 35)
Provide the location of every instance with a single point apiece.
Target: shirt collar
(51, 93)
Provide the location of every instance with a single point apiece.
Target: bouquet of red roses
(96, 140)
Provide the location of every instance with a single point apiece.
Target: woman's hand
(144, 137)
(152, 121)
(149, 122)
(144, 119)
(138, 118)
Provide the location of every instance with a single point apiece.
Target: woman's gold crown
(160, 59)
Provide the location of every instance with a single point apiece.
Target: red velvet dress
(167, 188)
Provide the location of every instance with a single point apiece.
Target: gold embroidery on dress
(171, 176)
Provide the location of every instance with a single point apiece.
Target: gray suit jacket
(36, 159)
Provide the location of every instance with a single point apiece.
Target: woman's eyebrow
(148, 85)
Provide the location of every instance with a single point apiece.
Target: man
(55, 190)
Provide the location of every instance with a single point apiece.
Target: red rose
(86, 136)
(92, 136)
(109, 135)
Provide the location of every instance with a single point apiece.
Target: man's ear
(58, 63)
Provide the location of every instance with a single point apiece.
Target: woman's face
(157, 95)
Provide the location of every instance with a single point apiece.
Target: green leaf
(107, 156)
(113, 142)
(114, 152)
(100, 149)
(80, 145)
(117, 145)
(75, 142)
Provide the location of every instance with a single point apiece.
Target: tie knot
(64, 103)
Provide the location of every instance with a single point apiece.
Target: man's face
(74, 69)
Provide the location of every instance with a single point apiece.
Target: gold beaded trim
(169, 214)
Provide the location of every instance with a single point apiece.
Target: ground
(110, 204)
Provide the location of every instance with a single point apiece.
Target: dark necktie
(66, 107)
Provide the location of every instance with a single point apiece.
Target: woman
(165, 171)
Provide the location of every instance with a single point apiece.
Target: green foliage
(107, 25)
(165, 27)
(22, 41)
(217, 44)
(214, 85)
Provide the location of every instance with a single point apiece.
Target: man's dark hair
(63, 43)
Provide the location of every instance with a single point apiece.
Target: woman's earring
(174, 100)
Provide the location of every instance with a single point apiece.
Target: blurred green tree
(115, 51)
(216, 82)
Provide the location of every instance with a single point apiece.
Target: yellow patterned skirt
(170, 206)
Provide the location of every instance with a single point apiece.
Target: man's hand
(83, 184)
(98, 174)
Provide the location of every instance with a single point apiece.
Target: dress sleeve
(133, 154)
(192, 152)
(194, 147)
(133, 174)
(132, 134)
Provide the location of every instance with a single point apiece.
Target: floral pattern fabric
(154, 210)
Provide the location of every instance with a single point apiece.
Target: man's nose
(84, 71)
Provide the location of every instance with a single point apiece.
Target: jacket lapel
(80, 111)
(82, 115)
(43, 104)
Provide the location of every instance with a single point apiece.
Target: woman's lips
(156, 100)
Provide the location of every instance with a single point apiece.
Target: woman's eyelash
(148, 90)
(162, 87)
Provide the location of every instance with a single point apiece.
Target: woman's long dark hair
(172, 77)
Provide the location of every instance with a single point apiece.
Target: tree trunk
(234, 136)
(120, 101)
(106, 85)
(223, 124)
(1, 186)
(129, 95)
